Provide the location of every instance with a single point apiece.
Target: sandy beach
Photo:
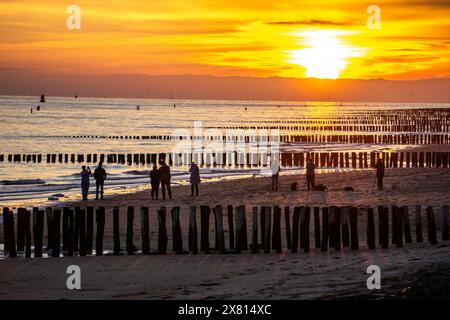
(313, 275)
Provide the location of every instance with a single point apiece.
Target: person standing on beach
(100, 177)
(380, 173)
(275, 169)
(164, 176)
(310, 174)
(194, 179)
(85, 173)
(154, 181)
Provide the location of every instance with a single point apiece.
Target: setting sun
(325, 55)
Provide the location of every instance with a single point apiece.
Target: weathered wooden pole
(205, 212)
(76, 229)
(100, 230)
(432, 237)
(418, 220)
(317, 227)
(27, 233)
(230, 226)
(116, 231)
(220, 237)
(240, 228)
(130, 231)
(254, 245)
(193, 242)
(162, 231)
(287, 221)
(345, 228)
(8, 220)
(145, 231)
(70, 225)
(276, 234)
(49, 216)
(371, 229)
(267, 228)
(65, 228)
(306, 222)
(383, 214)
(177, 239)
(56, 225)
(406, 223)
(295, 228)
(397, 215)
(445, 222)
(325, 226)
(21, 216)
(89, 229)
(38, 231)
(354, 241)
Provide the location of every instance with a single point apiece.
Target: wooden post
(276, 234)
(21, 216)
(145, 231)
(89, 228)
(204, 228)
(27, 233)
(100, 230)
(345, 229)
(295, 229)
(70, 223)
(220, 237)
(76, 229)
(65, 228)
(324, 244)
(6, 230)
(130, 233)
(82, 226)
(56, 225)
(306, 219)
(418, 219)
(405, 212)
(240, 228)
(432, 237)
(193, 242)
(371, 228)
(288, 228)
(335, 228)
(8, 220)
(49, 216)
(354, 241)
(267, 227)
(384, 226)
(254, 246)
(116, 230)
(445, 222)
(162, 231)
(177, 239)
(38, 231)
(317, 227)
(397, 215)
(262, 224)
(230, 226)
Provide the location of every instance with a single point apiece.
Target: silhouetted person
(154, 181)
(380, 173)
(275, 168)
(310, 174)
(164, 176)
(100, 177)
(194, 179)
(85, 173)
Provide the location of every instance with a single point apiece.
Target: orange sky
(246, 38)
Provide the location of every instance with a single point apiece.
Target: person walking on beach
(194, 179)
(100, 177)
(380, 173)
(275, 169)
(310, 174)
(154, 181)
(85, 173)
(164, 176)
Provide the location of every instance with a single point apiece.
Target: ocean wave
(22, 182)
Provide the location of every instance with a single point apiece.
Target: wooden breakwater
(70, 231)
(352, 136)
(403, 159)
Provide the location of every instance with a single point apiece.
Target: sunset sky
(324, 39)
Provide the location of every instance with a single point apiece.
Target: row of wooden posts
(348, 138)
(288, 159)
(338, 228)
